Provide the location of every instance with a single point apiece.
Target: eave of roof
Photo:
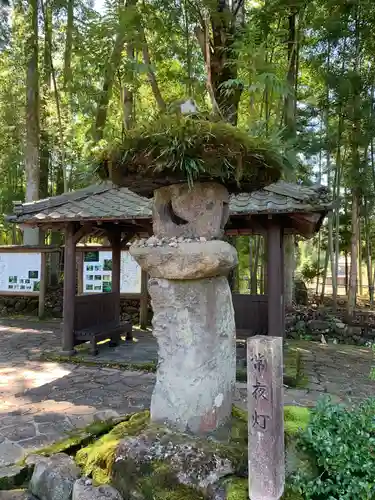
(106, 202)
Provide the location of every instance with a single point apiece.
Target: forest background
(302, 73)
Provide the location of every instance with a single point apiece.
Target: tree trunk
(337, 211)
(290, 132)
(318, 259)
(262, 267)
(220, 55)
(151, 75)
(128, 101)
(44, 136)
(346, 272)
(355, 166)
(369, 255)
(254, 271)
(31, 236)
(352, 293)
(289, 268)
(360, 280)
(109, 73)
(324, 278)
(68, 46)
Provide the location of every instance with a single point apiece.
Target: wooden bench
(97, 318)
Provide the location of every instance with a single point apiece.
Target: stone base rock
(12, 476)
(53, 478)
(195, 329)
(165, 456)
(187, 261)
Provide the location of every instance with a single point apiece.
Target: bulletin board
(20, 272)
(97, 273)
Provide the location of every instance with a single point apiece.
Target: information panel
(97, 273)
(20, 272)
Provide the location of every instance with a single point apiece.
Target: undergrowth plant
(341, 442)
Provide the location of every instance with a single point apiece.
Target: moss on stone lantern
(188, 149)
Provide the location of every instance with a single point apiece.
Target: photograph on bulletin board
(92, 256)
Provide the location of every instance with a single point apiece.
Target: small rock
(53, 478)
(12, 476)
(152, 241)
(355, 330)
(10, 453)
(181, 239)
(173, 244)
(33, 459)
(323, 340)
(83, 491)
(318, 325)
(202, 239)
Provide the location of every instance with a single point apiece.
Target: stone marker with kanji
(266, 417)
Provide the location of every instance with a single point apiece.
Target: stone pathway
(40, 402)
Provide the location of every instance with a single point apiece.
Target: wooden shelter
(120, 214)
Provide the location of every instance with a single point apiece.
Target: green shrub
(342, 443)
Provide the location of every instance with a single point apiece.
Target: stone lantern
(188, 262)
(193, 321)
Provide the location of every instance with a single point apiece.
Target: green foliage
(188, 148)
(296, 419)
(341, 441)
(309, 272)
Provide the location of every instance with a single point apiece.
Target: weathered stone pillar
(193, 318)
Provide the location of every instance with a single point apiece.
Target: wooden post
(265, 277)
(80, 267)
(115, 238)
(143, 306)
(282, 256)
(275, 288)
(266, 417)
(69, 290)
(42, 285)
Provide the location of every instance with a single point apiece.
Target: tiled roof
(97, 202)
(107, 202)
(282, 197)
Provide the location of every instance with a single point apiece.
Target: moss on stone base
(97, 458)
(157, 481)
(160, 484)
(237, 488)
